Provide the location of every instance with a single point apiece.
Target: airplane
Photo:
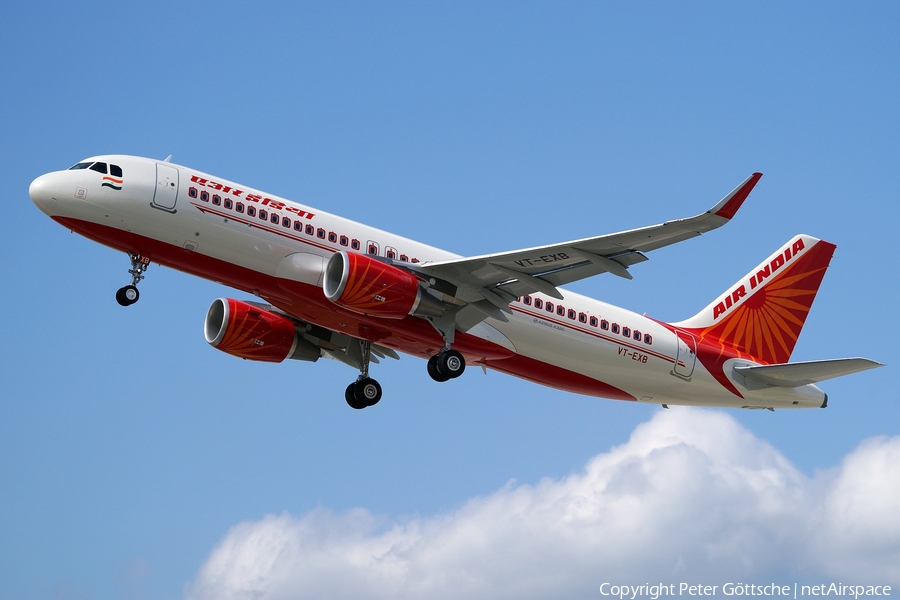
(325, 286)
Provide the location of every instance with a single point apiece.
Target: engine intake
(370, 287)
(250, 332)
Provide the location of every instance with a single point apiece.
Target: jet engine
(370, 287)
(250, 332)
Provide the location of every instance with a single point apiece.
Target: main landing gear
(446, 364)
(128, 295)
(365, 391)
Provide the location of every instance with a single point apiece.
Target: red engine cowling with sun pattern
(370, 287)
(250, 332)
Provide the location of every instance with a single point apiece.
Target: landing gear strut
(446, 364)
(365, 391)
(128, 295)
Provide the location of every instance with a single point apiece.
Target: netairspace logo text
(795, 591)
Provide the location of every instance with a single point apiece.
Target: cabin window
(615, 328)
(404, 258)
(228, 203)
(354, 244)
(332, 237)
(373, 249)
(561, 310)
(320, 233)
(263, 214)
(217, 200)
(582, 318)
(251, 211)
(344, 240)
(571, 314)
(298, 226)
(550, 307)
(239, 207)
(626, 331)
(637, 335)
(648, 339)
(310, 230)
(593, 321)
(192, 192)
(285, 221)
(390, 253)
(538, 303)
(527, 300)
(274, 218)
(204, 195)
(604, 325)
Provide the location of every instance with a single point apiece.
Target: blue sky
(135, 460)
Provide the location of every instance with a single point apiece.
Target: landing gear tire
(127, 295)
(350, 397)
(434, 371)
(363, 393)
(446, 365)
(367, 390)
(451, 363)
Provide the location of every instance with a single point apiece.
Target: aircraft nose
(41, 192)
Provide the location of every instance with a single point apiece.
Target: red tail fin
(761, 316)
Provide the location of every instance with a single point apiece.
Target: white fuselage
(215, 228)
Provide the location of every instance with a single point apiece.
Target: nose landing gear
(128, 295)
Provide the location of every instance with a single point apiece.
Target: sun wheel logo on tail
(760, 317)
(370, 287)
(763, 272)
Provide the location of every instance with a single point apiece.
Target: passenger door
(686, 355)
(166, 192)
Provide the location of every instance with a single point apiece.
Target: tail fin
(760, 317)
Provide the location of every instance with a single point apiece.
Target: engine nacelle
(250, 332)
(368, 286)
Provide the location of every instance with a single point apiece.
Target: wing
(489, 283)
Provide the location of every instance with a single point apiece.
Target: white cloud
(692, 496)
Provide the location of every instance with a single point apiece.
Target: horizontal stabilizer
(803, 373)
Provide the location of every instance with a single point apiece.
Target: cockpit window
(115, 170)
(99, 167)
(83, 165)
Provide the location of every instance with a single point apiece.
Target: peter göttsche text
(655, 592)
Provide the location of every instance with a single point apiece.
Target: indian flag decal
(112, 182)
